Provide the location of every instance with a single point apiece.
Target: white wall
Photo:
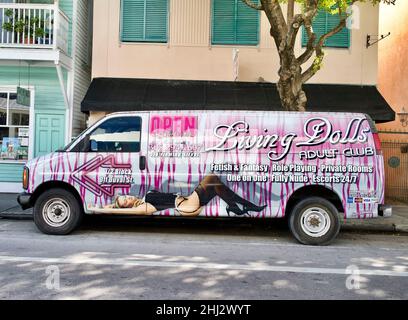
(81, 62)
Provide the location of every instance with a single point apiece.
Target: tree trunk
(291, 93)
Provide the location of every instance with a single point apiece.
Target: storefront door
(49, 132)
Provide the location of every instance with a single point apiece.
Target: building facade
(192, 45)
(45, 70)
(393, 85)
(199, 44)
(217, 40)
(393, 70)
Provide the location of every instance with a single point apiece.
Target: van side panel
(265, 157)
(343, 146)
(262, 157)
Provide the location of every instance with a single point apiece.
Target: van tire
(314, 221)
(57, 212)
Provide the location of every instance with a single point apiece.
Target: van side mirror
(93, 145)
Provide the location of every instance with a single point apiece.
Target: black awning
(117, 94)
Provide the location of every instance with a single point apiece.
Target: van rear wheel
(57, 212)
(314, 221)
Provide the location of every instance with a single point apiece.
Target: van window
(120, 134)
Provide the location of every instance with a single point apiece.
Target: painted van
(309, 167)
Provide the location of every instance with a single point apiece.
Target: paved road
(181, 259)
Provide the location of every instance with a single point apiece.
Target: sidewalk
(10, 209)
(397, 223)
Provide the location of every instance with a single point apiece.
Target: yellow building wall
(190, 55)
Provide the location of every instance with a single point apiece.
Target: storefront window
(14, 128)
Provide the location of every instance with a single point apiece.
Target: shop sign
(23, 96)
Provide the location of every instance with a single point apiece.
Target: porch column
(66, 92)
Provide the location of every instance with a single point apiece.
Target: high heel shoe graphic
(247, 208)
(254, 208)
(235, 209)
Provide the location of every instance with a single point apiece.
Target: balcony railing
(33, 26)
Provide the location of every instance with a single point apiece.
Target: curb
(365, 228)
(400, 228)
(403, 228)
(17, 215)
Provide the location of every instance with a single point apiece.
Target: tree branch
(310, 72)
(279, 28)
(252, 5)
(335, 30)
(307, 22)
(316, 65)
(307, 54)
(293, 29)
(318, 48)
(291, 10)
(332, 32)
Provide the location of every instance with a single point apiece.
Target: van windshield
(64, 149)
(73, 140)
(117, 134)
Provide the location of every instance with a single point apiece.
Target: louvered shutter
(341, 39)
(247, 24)
(223, 22)
(233, 22)
(156, 20)
(144, 20)
(323, 23)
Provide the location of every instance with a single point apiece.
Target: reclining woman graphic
(210, 187)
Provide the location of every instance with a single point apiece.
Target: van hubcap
(315, 222)
(56, 212)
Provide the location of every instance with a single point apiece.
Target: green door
(49, 132)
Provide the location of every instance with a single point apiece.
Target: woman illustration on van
(210, 187)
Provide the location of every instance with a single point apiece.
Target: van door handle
(142, 162)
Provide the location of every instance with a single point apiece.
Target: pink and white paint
(284, 152)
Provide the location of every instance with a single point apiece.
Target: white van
(310, 167)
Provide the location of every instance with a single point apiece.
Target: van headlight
(26, 175)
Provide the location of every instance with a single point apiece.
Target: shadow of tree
(165, 259)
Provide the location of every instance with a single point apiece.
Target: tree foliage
(284, 31)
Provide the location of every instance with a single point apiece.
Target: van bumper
(385, 210)
(24, 200)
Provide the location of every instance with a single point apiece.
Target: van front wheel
(57, 212)
(314, 221)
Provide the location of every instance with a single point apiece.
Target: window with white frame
(14, 128)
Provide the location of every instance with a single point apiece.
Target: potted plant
(24, 26)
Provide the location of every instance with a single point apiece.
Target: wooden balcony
(39, 31)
